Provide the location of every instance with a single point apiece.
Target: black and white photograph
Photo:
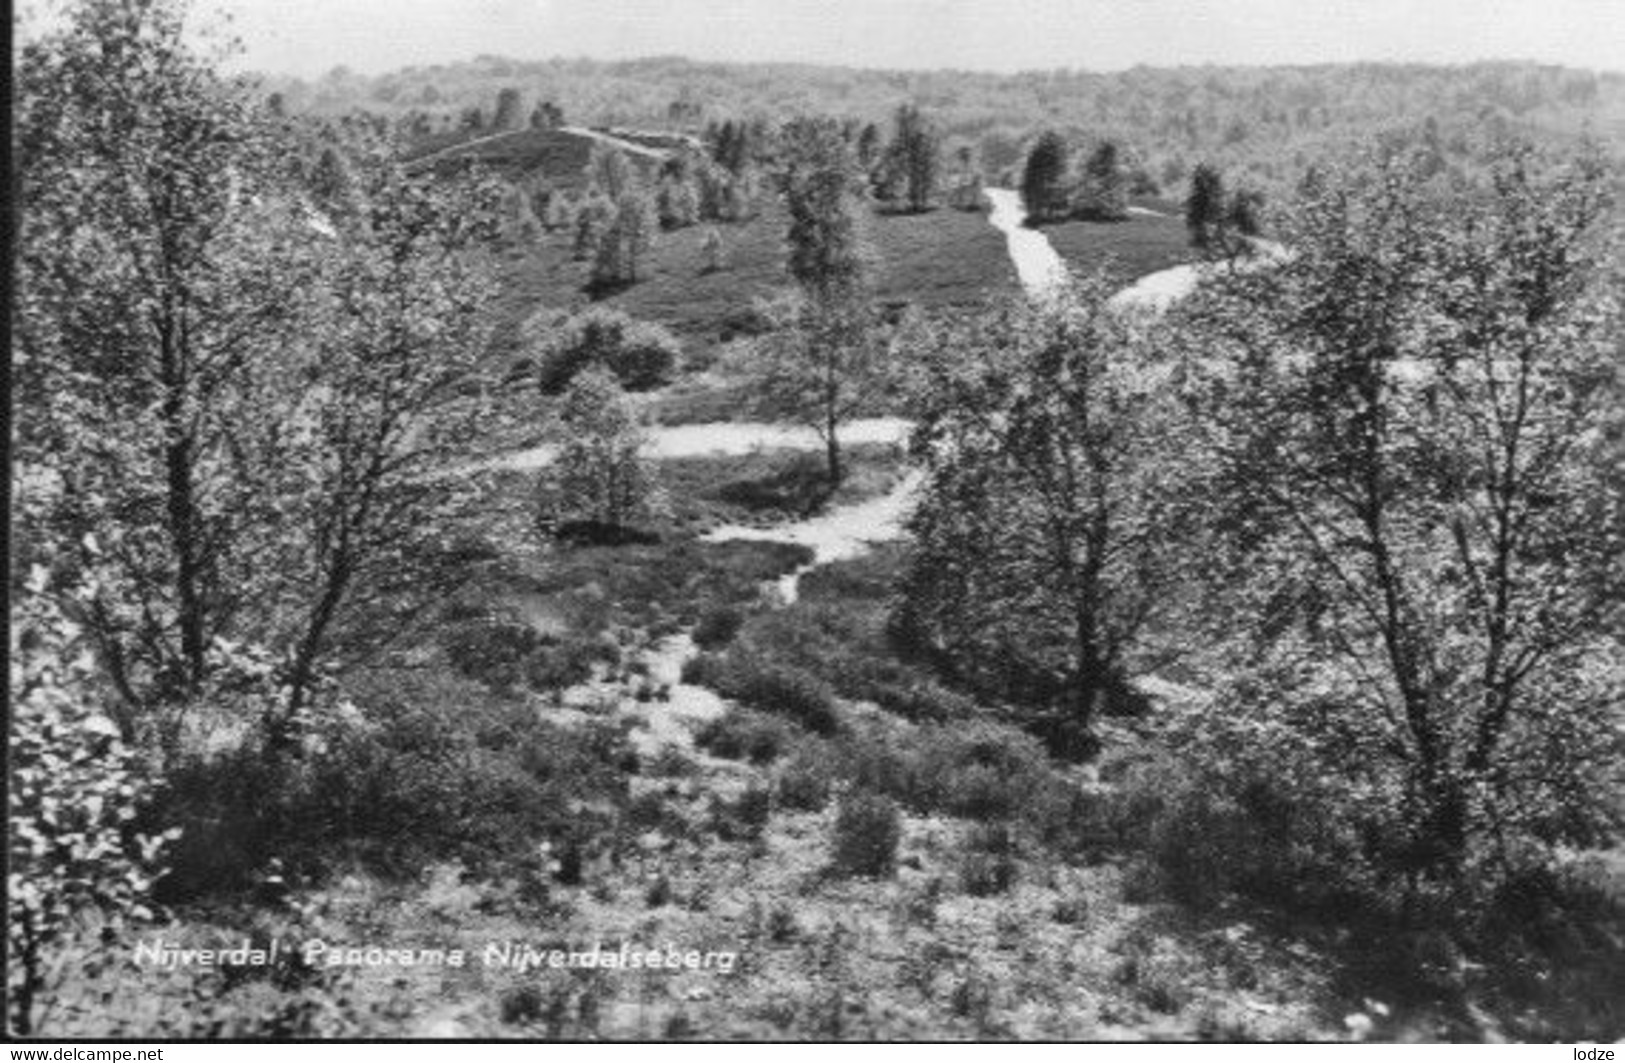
(817, 521)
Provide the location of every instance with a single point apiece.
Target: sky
(310, 37)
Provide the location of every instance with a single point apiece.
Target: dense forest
(660, 550)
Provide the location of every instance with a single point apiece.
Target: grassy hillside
(557, 156)
(943, 258)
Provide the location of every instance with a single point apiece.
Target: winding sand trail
(1040, 268)
(850, 531)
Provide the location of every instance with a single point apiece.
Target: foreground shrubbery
(833, 641)
(78, 869)
(867, 831)
(439, 769)
(774, 688)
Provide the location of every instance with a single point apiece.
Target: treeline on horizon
(1265, 123)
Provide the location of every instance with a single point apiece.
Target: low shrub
(742, 734)
(1209, 834)
(441, 769)
(978, 770)
(743, 818)
(555, 666)
(868, 828)
(491, 649)
(785, 690)
(808, 779)
(717, 627)
(774, 688)
(703, 670)
(641, 355)
(988, 864)
(75, 864)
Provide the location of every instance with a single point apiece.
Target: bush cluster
(868, 828)
(774, 688)
(741, 733)
(977, 770)
(437, 769)
(840, 632)
(808, 777)
(642, 356)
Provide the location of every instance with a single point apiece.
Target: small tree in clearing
(598, 476)
(1204, 207)
(625, 242)
(711, 250)
(1103, 193)
(826, 362)
(1043, 179)
(823, 366)
(915, 155)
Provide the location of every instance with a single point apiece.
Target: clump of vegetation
(741, 733)
(988, 864)
(839, 631)
(717, 626)
(773, 688)
(446, 770)
(1040, 553)
(599, 486)
(744, 817)
(807, 780)
(642, 356)
(868, 828)
(976, 770)
(75, 868)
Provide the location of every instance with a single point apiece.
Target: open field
(944, 258)
(1127, 249)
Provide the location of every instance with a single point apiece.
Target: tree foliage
(77, 869)
(1038, 557)
(1102, 193)
(1419, 506)
(822, 365)
(830, 259)
(237, 405)
(1044, 178)
(598, 476)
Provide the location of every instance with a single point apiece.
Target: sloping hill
(940, 259)
(558, 155)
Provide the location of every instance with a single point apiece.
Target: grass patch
(675, 290)
(772, 486)
(558, 156)
(1127, 249)
(941, 258)
(938, 259)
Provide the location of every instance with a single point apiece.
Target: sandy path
(1037, 265)
(727, 438)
